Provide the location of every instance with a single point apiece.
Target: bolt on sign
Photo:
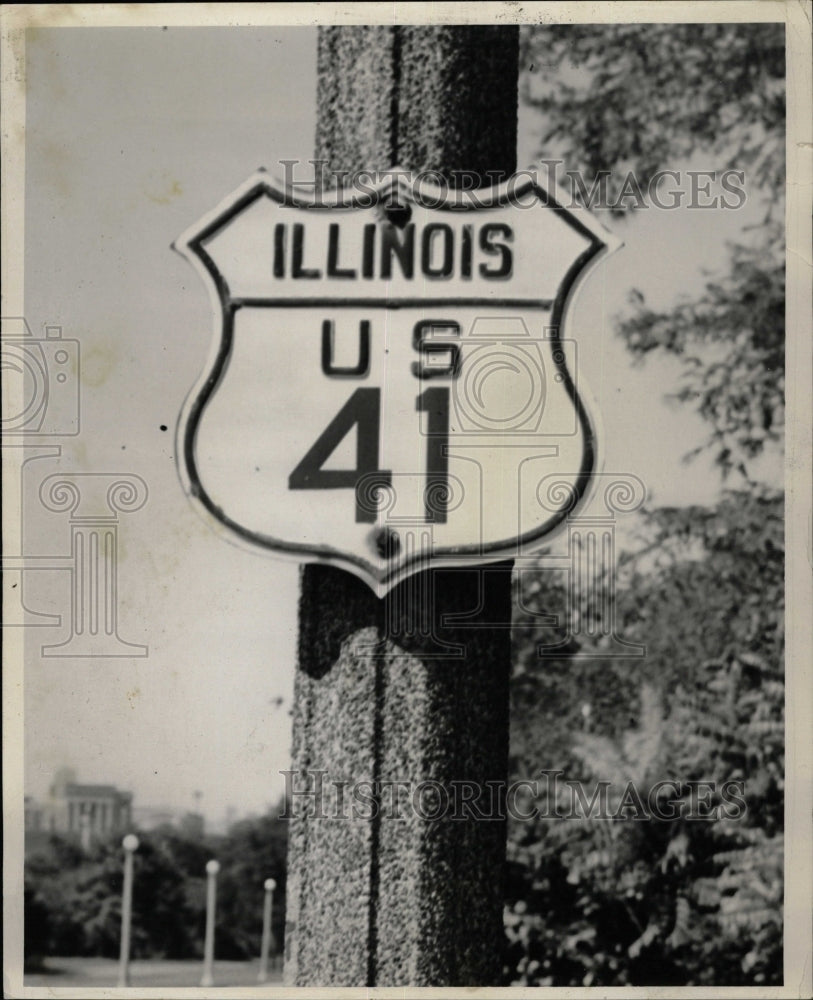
(391, 383)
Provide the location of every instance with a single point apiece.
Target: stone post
(395, 690)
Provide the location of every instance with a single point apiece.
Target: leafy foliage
(255, 850)
(732, 344)
(665, 901)
(83, 900)
(715, 89)
(73, 900)
(598, 901)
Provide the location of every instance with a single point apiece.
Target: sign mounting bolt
(388, 543)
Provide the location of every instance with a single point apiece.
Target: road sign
(392, 382)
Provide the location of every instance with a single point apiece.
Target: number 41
(362, 410)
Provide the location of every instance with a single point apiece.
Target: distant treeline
(73, 899)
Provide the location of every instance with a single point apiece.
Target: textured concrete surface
(422, 98)
(404, 900)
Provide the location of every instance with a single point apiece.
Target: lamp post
(212, 868)
(268, 906)
(130, 845)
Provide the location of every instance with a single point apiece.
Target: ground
(102, 972)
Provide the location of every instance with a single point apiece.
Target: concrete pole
(130, 845)
(207, 979)
(265, 948)
(405, 901)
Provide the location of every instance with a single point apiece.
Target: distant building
(190, 824)
(80, 810)
(91, 812)
(151, 817)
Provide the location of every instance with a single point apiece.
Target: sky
(131, 136)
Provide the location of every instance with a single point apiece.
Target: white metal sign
(391, 383)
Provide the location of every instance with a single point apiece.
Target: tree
(253, 850)
(73, 899)
(616, 903)
(717, 88)
(77, 899)
(711, 88)
(37, 926)
(663, 901)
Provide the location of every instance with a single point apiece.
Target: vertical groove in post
(407, 901)
(375, 827)
(395, 111)
(457, 99)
